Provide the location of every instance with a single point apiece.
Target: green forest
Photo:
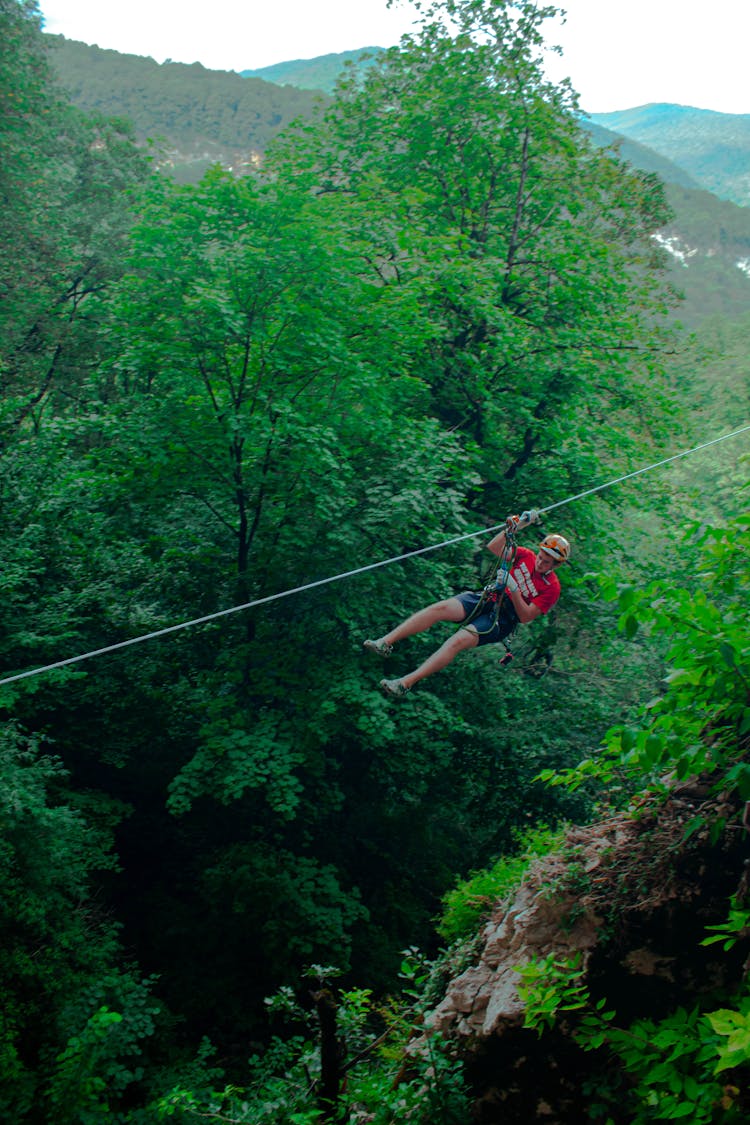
(192, 116)
(237, 880)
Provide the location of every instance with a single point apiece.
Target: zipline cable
(648, 468)
(350, 573)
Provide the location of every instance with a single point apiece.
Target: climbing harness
(351, 573)
(498, 590)
(494, 588)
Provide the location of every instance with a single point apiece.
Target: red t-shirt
(541, 590)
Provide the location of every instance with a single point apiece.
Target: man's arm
(516, 523)
(497, 545)
(525, 611)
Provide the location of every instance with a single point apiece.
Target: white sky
(618, 54)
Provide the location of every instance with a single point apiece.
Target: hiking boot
(380, 648)
(395, 688)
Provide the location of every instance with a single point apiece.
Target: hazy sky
(618, 54)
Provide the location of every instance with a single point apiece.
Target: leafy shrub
(474, 897)
(701, 722)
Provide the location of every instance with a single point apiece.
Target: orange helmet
(556, 546)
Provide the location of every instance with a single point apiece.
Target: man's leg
(448, 651)
(448, 610)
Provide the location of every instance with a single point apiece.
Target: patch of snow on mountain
(674, 247)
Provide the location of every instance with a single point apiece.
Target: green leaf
(724, 1021)
(653, 748)
(626, 597)
(684, 1109)
(630, 626)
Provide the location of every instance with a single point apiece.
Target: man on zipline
(527, 588)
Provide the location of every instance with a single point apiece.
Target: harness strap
(494, 591)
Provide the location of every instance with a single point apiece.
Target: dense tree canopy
(435, 303)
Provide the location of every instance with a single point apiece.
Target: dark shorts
(489, 630)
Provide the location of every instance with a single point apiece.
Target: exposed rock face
(544, 917)
(630, 897)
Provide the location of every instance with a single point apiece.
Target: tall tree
(65, 185)
(73, 1018)
(471, 186)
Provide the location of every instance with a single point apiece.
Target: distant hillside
(320, 73)
(713, 148)
(206, 116)
(708, 243)
(202, 116)
(640, 156)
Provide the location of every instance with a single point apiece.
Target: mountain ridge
(711, 147)
(207, 116)
(199, 117)
(196, 117)
(319, 73)
(639, 155)
(706, 148)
